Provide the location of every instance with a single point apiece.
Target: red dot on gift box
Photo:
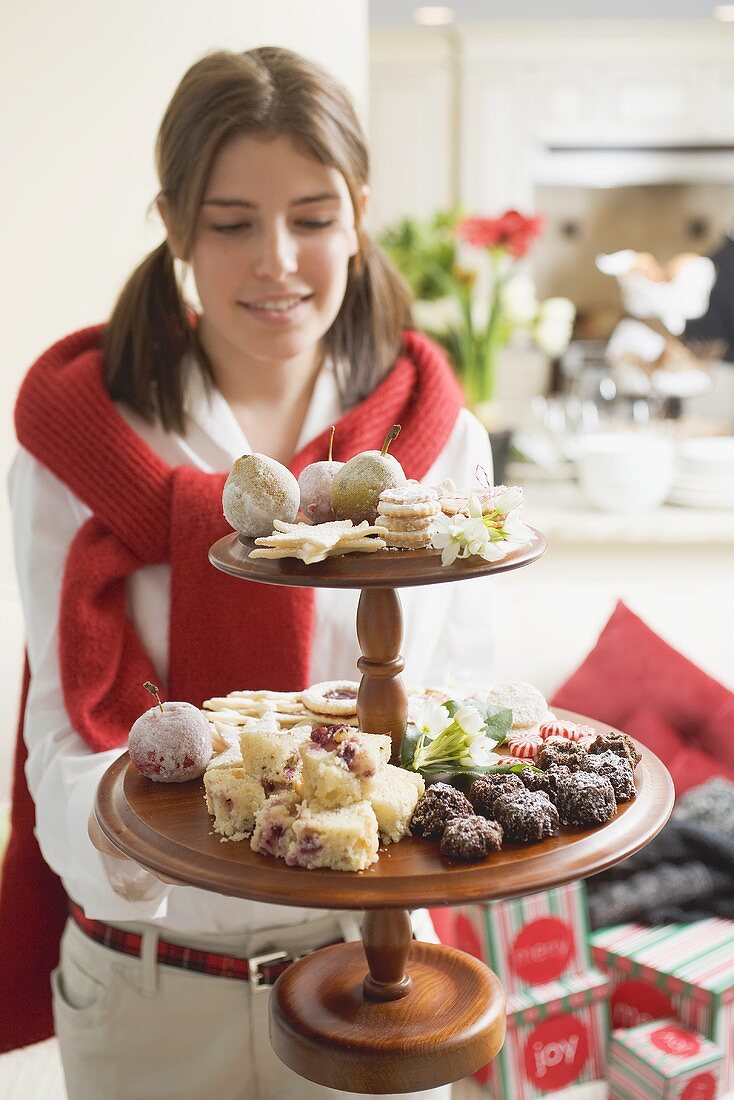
(635, 1002)
(556, 1052)
(700, 1087)
(674, 1040)
(542, 950)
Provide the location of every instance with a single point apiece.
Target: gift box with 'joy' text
(681, 970)
(556, 1037)
(662, 1060)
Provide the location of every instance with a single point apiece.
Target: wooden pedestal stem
(382, 701)
(387, 935)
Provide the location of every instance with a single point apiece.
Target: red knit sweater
(224, 634)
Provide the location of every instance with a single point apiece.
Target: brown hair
(268, 92)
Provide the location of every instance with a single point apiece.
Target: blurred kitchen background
(607, 126)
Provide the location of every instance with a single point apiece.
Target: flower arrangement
(455, 740)
(470, 297)
(490, 536)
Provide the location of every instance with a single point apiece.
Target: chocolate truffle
(618, 743)
(558, 751)
(546, 781)
(439, 805)
(526, 817)
(470, 838)
(617, 770)
(585, 798)
(485, 791)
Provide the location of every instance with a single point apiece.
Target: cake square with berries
(273, 833)
(393, 794)
(233, 798)
(271, 754)
(337, 761)
(343, 839)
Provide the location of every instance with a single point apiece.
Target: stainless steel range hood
(630, 165)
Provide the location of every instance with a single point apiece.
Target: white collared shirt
(447, 634)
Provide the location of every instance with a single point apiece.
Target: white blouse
(447, 639)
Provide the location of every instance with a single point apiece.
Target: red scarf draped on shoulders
(224, 634)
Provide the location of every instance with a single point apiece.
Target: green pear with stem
(355, 491)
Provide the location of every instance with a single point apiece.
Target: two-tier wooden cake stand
(391, 1014)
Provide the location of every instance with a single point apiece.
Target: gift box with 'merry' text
(527, 941)
(662, 1060)
(681, 970)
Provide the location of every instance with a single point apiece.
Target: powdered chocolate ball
(617, 770)
(618, 743)
(485, 791)
(526, 817)
(470, 838)
(546, 781)
(171, 745)
(439, 805)
(560, 751)
(585, 798)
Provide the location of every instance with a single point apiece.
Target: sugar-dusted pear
(355, 491)
(315, 482)
(258, 491)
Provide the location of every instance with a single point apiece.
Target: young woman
(126, 434)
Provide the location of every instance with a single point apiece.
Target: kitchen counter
(558, 509)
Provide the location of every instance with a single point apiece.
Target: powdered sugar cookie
(411, 500)
(408, 540)
(527, 704)
(405, 523)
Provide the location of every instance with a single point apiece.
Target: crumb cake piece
(393, 794)
(231, 757)
(271, 754)
(273, 834)
(343, 839)
(233, 798)
(337, 761)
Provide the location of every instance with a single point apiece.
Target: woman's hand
(107, 848)
(99, 839)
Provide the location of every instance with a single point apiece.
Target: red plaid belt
(261, 971)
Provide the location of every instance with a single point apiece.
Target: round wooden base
(450, 1023)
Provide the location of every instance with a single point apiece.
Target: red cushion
(630, 668)
(688, 765)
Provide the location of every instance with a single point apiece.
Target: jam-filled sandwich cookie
(407, 513)
(333, 701)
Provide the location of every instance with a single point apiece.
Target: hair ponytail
(365, 338)
(146, 339)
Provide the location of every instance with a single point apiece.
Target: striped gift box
(685, 970)
(662, 1060)
(528, 941)
(556, 1037)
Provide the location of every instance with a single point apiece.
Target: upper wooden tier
(382, 569)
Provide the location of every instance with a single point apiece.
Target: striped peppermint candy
(525, 746)
(569, 731)
(588, 736)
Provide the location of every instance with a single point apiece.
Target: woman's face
(271, 250)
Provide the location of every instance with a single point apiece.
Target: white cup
(624, 471)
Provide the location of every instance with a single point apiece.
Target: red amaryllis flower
(512, 231)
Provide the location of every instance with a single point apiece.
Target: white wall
(83, 86)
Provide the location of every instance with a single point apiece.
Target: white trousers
(129, 1029)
